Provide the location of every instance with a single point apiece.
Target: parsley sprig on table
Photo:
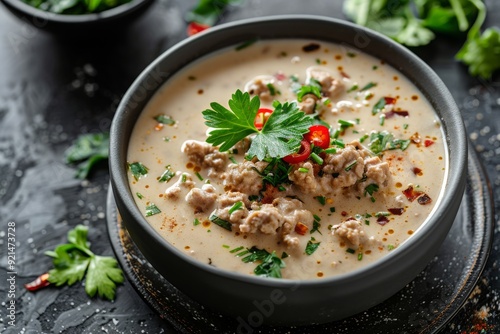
(399, 20)
(87, 151)
(279, 137)
(74, 260)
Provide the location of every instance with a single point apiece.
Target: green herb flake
(221, 222)
(316, 158)
(360, 256)
(196, 222)
(138, 170)
(198, 175)
(353, 88)
(368, 86)
(332, 209)
(311, 246)
(351, 54)
(370, 190)
(272, 89)
(405, 126)
(350, 251)
(351, 165)
(390, 247)
(236, 250)
(233, 160)
(236, 206)
(374, 67)
(270, 265)
(330, 150)
(284, 255)
(225, 246)
(246, 44)
(167, 175)
(303, 170)
(164, 119)
(321, 199)
(379, 106)
(152, 210)
(139, 195)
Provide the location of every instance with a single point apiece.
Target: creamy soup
(363, 169)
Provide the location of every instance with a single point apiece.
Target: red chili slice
(301, 155)
(428, 142)
(262, 117)
(319, 135)
(195, 27)
(40, 282)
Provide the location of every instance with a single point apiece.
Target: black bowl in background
(81, 25)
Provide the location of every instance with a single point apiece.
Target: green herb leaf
(167, 175)
(88, 150)
(221, 222)
(138, 169)
(312, 246)
(279, 137)
(152, 210)
(208, 11)
(482, 53)
(74, 260)
(270, 267)
(164, 119)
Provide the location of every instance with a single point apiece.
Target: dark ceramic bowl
(79, 25)
(255, 300)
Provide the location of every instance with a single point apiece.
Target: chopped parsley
(383, 141)
(164, 119)
(270, 265)
(138, 169)
(196, 222)
(368, 86)
(321, 199)
(221, 222)
(370, 190)
(151, 210)
(167, 175)
(312, 246)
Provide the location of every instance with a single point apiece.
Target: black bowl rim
(455, 181)
(41, 18)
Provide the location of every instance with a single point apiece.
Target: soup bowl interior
(256, 300)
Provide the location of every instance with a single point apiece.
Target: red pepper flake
(280, 76)
(417, 171)
(195, 27)
(343, 213)
(310, 47)
(390, 100)
(301, 228)
(40, 282)
(424, 199)
(344, 75)
(396, 211)
(401, 113)
(411, 194)
(382, 220)
(415, 139)
(428, 142)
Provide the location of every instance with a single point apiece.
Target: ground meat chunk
(260, 86)
(243, 177)
(175, 190)
(350, 231)
(201, 199)
(205, 155)
(308, 103)
(330, 87)
(226, 201)
(352, 167)
(266, 220)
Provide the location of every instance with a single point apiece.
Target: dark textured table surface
(52, 90)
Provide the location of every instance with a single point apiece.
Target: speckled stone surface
(53, 89)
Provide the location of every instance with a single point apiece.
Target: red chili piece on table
(40, 282)
(262, 117)
(301, 155)
(195, 27)
(319, 135)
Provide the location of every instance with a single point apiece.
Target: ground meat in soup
(346, 203)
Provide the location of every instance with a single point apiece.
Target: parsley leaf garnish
(74, 260)
(279, 137)
(87, 151)
(271, 264)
